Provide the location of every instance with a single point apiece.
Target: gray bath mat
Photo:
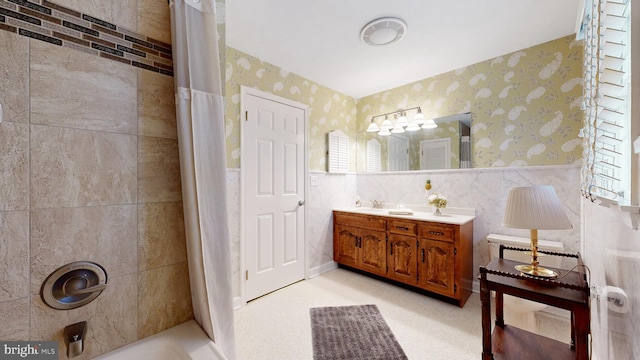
(352, 333)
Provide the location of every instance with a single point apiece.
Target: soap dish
(400, 212)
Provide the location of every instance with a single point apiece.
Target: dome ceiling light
(383, 31)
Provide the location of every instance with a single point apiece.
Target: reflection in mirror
(447, 146)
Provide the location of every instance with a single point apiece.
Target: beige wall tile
(164, 299)
(156, 105)
(161, 239)
(14, 255)
(158, 170)
(14, 317)
(14, 166)
(117, 12)
(154, 19)
(81, 168)
(14, 67)
(102, 234)
(74, 89)
(111, 319)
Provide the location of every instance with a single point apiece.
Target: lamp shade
(535, 207)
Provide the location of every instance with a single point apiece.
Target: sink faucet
(376, 204)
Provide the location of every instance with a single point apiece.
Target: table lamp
(535, 208)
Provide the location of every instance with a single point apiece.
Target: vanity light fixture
(373, 127)
(402, 120)
(386, 124)
(429, 124)
(419, 118)
(401, 124)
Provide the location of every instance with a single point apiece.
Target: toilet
(520, 312)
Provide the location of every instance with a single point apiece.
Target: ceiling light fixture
(383, 31)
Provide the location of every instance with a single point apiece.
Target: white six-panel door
(273, 173)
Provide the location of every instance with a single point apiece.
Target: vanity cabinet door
(373, 245)
(346, 245)
(436, 266)
(361, 248)
(403, 258)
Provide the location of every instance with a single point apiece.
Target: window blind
(606, 100)
(338, 152)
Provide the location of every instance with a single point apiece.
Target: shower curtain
(201, 139)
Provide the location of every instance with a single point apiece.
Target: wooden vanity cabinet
(402, 257)
(360, 241)
(436, 257)
(436, 267)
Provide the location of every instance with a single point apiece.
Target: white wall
(612, 252)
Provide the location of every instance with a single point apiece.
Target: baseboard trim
(237, 302)
(315, 271)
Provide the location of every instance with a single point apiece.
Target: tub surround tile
(111, 319)
(14, 166)
(14, 317)
(81, 168)
(77, 90)
(156, 105)
(62, 25)
(158, 170)
(14, 67)
(153, 17)
(161, 238)
(122, 12)
(102, 234)
(14, 252)
(164, 299)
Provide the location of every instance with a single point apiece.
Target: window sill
(632, 210)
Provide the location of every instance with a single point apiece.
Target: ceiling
(320, 39)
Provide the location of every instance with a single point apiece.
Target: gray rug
(353, 333)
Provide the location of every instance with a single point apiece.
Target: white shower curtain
(201, 139)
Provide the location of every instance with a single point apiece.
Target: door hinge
(455, 251)
(455, 288)
(246, 274)
(246, 115)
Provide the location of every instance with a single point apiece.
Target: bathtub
(186, 341)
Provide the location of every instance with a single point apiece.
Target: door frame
(248, 91)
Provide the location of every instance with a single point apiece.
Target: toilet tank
(495, 240)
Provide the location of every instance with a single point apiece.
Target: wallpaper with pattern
(328, 110)
(525, 105)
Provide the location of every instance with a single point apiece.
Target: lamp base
(536, 271)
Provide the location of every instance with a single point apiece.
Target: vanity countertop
(449, 216)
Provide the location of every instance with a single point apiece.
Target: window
(609, 169)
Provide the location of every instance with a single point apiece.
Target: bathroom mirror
(447, 146)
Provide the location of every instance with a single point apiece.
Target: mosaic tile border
(58, 25)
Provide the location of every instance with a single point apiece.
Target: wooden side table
(569, 291)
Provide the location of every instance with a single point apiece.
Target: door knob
(301, 202)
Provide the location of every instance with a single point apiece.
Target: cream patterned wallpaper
(328, 110)
(525, 105)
